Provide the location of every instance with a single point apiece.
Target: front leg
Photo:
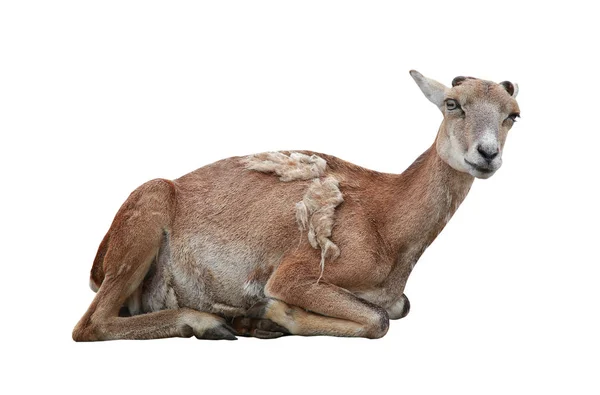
(307, 307)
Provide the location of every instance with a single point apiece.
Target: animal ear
(511, 88)
(458, 80)
(432, 89)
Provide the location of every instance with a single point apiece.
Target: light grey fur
(292, 167)
(316, 212)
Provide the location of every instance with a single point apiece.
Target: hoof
(258, 327)
(224, 332)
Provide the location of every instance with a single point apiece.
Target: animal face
(477, 117)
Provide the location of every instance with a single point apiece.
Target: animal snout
(488, 152)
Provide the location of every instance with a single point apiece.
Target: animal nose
(488, 153)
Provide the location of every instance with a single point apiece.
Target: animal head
(477, 117)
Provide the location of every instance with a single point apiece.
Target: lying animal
(291, 242)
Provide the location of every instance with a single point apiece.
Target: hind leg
(135, 238)
(102, 320)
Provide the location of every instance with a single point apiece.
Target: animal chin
(480, 171)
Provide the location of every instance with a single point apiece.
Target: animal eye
(452, 104)
(513, 117)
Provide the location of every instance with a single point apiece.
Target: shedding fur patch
(295, 166)
(315, 212)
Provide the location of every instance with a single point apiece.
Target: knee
(84, 332)
(378, 325)
(87, 329)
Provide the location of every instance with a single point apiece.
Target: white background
(97, 98)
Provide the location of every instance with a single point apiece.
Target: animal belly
(225, 279)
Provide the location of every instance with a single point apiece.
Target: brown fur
(233, 239)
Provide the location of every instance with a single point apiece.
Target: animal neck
(423, 199)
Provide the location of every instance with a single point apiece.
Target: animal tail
(97, 272)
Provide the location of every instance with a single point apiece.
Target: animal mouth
(479, 168)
